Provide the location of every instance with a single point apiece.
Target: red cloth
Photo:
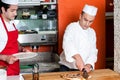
(11, 48)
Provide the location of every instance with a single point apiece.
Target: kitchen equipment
(42, 38)
(37, 29)
(50, 26)
(33, 16)
(28, 32)
(51, 14)
(44, 16)
(25, 14)
(84, 73)
(39, 13)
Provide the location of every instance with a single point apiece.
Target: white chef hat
(13, 2)
(91, 10)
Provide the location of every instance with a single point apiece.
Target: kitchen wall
(69, 10)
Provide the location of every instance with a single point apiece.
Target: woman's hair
(6, 6)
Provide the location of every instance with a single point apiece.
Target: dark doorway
(109, 34)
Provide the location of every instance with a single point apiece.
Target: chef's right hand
(10, 59)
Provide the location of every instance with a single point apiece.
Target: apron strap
(3, 23)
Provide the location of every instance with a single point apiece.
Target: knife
(84, 73)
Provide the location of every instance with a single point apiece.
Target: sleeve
(68, 43)
(3, 38)
(93, 54)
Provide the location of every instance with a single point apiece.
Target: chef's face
(86, 20)
(10, 13)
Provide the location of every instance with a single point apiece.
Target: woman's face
(10, 13)
(86, 20)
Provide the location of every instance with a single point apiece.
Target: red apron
(11, 48)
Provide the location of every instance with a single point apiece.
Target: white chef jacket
(3, 33)
(78, 41)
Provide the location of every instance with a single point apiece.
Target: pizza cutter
(84, 73)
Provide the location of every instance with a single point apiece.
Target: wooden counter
(101, 74)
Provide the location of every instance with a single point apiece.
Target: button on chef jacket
(78, 41)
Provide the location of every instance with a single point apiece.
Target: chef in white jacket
(79, 43)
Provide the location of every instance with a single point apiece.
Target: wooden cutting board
(101, 74)
(104, 74)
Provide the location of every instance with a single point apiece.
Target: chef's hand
(88, 67)
(79, 62)
(10, 59)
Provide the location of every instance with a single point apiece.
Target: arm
(69, 43)
(3, 38)
(79, 61)
(90, 62)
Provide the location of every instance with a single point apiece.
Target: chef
(8, 36)
(79, 43)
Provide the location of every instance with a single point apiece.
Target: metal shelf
(29, 3)
(35, 3)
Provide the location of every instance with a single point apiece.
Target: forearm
(79, 61)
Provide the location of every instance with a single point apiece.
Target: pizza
(72, 76)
